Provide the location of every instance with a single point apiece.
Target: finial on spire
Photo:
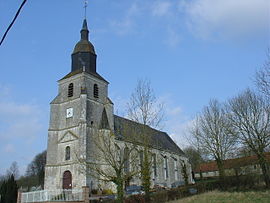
(84, 31)
(85, 8)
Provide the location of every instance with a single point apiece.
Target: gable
(68, 137)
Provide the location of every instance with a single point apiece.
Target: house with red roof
(239, 166)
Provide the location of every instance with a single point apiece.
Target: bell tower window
(95, 90)
(70, 90)
(67, 153)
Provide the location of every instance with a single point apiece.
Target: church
(81, 109)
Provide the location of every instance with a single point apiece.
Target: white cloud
(9, 148)
(227, 18)
(126, 24)
(177, 123)
(173, 37)
(161, 8)
(206, 19)
(19, 119)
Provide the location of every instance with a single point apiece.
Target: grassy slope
(228, 197)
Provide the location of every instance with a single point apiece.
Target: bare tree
(13, 170)
(112, 161)
(212, 133)
(194, 155)
(144, 108)
(37, 167)
(249, 113)
(262, 77)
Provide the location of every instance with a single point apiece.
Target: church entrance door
(67, 180)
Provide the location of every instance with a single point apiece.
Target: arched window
(175, 169)
(118, 154)
(126, 160)
(67, 180)
(95, 90)
(154, 164)
(165, 166)
(141, 159)
(70, 90)
(67, 153)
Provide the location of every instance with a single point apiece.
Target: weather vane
(85, 6)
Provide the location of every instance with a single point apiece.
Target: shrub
(135, 199)
(94, 191)
(174, 194)
(107, 192)
(161, 196)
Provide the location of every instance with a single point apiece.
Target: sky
(190, 50)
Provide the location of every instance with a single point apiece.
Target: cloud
(9, 148)
(20, 129)
(205, 19)
(173, 37)
(177, 123)
(227, 18)
(127, 23)
(161, 8)
(19, 120)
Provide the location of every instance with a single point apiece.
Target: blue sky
(191, 50)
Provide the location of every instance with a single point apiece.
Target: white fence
(53, 195)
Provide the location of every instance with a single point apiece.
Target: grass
(228, 197)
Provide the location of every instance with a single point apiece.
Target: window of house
(67, 156)
(95, 90)
(70, 90)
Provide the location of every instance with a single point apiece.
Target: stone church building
(81, 108)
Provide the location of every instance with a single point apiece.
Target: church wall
(160, 178)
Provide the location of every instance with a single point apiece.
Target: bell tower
(81, 108)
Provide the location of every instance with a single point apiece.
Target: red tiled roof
(230, 163)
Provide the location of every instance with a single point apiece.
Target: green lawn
(228, 197)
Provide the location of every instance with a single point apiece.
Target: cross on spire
(85, 8)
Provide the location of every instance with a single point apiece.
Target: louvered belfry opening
(95, 90)
(70, 90)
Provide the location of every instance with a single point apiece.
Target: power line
(10, 25)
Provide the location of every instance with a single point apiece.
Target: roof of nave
(132, 131)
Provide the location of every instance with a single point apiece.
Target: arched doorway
(67, 180)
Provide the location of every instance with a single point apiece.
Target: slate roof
(124, 128)
(230, 163)
(80, 71)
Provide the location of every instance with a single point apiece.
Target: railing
(53, 195)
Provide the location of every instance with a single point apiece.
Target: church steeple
(84, 56)
(84, 31)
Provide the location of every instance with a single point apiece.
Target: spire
(84, 56)
(84, 31)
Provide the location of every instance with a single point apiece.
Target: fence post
(19, 197)
(86, 194)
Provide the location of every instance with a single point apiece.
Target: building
(233, 167)
(81, 109)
